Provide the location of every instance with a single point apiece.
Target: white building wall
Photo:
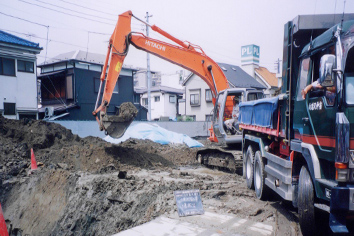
(20, 89)
(170, 107)
(172, 81)
(163, 108)
(195, 83)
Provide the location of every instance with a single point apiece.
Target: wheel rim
(257, 178)
(248, 168)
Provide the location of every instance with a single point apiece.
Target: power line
(73, 10)
(24, 19)
(50, 40)
(47, 26)
(87, 8)
(54, 27)
(81, 17)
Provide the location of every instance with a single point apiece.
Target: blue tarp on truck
(262, 112)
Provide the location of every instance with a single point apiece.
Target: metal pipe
(99, 95)
(141, 21)
(212, 76)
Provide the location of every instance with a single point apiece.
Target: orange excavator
(184, 54)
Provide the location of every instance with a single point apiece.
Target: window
(69, 87)
(208, 97)
(7, 66)
(172, 99)
(9, 108)
(208, 117)
(136, 98)
(157, 98)
(97, 82)
(25, 66)
(145, 101)
(302, 82)
(195, 97)
(193, 117)
(349, 86)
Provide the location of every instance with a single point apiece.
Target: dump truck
(300, 144)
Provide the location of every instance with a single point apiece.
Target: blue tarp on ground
(262, 112)
(154, 133)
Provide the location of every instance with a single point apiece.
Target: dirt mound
(56, 147)
(64, 158)
(86, 186)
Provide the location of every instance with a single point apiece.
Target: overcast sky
(219, 27)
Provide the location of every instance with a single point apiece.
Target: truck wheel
(249, 167)
(306, 206)
(259, 177)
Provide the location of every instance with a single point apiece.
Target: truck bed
(261, 114)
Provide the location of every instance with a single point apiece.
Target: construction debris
(87, 186)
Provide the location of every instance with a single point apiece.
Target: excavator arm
(184, 54)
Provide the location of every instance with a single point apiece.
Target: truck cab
(300, 143)
(223, 112)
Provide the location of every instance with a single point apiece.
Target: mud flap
(115, 126)
(339, 208)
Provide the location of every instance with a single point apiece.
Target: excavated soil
(86, 186)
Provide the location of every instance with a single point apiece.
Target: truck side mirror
(326, 68)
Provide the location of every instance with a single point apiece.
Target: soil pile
(51, 193)
(86, 186)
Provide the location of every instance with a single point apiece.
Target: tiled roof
(239, 78)
(12, 39)
(236, 77)
(268, 76)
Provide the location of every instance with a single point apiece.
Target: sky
(219, 27)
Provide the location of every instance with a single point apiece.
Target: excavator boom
(186, 55)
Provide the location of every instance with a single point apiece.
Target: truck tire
(306, 208)
(259, 177)
(249, 167)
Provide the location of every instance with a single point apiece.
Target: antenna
(341, 24)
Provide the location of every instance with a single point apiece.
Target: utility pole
(277, 65)
(148, 73)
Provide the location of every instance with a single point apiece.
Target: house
(69, 85)
(268, 79)
(164, 101)
(18, 77)
(250, 63)
(165, 91)
(197, 102)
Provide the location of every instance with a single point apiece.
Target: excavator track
(221, 158)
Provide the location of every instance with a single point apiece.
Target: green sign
(250, 51)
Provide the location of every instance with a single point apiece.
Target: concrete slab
(209, 224)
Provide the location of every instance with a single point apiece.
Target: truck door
(301, 120)
(321, 112)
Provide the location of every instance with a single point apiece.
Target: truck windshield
(349, 88)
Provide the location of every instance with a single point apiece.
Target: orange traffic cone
(3, 229)
(33, 161)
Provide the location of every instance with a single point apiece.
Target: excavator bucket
(115, 126)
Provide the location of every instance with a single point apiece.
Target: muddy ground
(86, 186)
